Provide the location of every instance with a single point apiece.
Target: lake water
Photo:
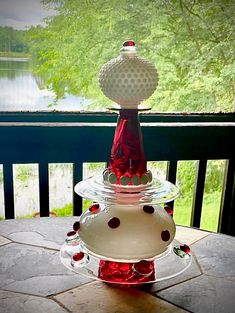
(21, 90)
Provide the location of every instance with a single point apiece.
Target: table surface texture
(32, 278)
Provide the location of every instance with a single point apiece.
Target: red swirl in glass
(127, 153)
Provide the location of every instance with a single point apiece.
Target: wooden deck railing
(76, 138)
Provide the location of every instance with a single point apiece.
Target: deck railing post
(171, 174)
(226, 223)
(8, 191)
(77, 200)
(43, 189)
(198, 193)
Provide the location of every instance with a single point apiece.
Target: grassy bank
(9, 54)
(210, 211)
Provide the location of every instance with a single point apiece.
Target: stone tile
(33, 238)
(192, 271)
(216, 255)
(188, 235)
(203, 294)
(103, 298)
(49, 232)
(35, 270)
(11, 302)
(4, 241)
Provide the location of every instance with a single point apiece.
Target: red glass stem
(127, 153)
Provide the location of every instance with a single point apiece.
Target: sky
(21, 14)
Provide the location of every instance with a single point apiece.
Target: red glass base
(124, 273)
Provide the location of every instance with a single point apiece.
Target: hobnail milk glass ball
(128, 79)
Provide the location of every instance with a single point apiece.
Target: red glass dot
(78, 256)
(94, 208)
(148, 209)
(114, 222)
(144, 267)
(76, 226)
(168, 210)
(71, 233)
(165, 235)
(129, 43)
(185, 248)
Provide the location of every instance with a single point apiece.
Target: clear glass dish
(164, 266)
(159, 191)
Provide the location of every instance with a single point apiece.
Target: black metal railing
(50, 137)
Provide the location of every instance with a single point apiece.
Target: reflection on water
(20, 90)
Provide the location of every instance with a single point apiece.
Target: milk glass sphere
(128, 79)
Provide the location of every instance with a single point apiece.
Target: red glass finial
(129, 43)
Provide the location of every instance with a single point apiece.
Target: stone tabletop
(32, 278)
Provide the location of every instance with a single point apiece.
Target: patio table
(32, 278)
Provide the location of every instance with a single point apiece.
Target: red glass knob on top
(127, 154)
(129, 43)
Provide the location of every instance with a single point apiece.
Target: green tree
(190, 42)
(12, 40)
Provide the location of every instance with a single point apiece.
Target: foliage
(214, 175)
(210, 211)
(67, 210)
(1, 175)
(212, 193)
(190, 42)
(13, 40)
(186, 177)
(24, 172)
(187, 171)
